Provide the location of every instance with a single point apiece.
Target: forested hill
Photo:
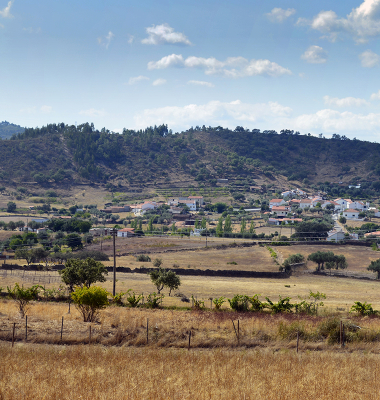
(7, 129)
(61, 153)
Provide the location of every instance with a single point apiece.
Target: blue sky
(311, 66)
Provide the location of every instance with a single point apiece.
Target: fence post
(26, 327)
(237, 337)
(238, 332)
(147, 330)
(13, 333)
(188, 348)
(341, 334)
(61, 329)
(298, 339)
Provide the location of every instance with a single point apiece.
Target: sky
(310, 66)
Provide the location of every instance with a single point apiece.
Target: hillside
(59, 153)
(7, 129)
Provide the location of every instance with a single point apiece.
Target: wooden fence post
(61, 329)
(238, 332)
(341, 334)
(147, 330)
(298, 339)
(13, 333)
(188, 348)
(26, 327)
(237, 337)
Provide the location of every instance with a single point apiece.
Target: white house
(343, 203)
(300, 192)
(281, 211)
(335, 236)
(193, 202)
(126, 232)
(287, 193)
(359, 205)
(349, 213)
(276, 202)
(141, 209)
(305, 203)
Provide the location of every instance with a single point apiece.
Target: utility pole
(114, 233)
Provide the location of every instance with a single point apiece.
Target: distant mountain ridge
(156, 157)
(7, 129)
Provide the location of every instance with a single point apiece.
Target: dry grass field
(358, 257)
(341, 292)
(93, 372)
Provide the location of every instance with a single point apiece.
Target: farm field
(341, 292)
(93, 372)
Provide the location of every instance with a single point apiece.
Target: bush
(23, 296)
(198, 304)
(283, 305)
(363, 308)
(239, 302)
(218, 302)
(132, 299)
(143, 258)
(153, 300)
(89, 301)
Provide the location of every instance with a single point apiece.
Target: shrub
(218, 302)
(152, 301)
(23, 296)
(363, 308)
(89, 301)
(283, 305)
(256, 304)
(198, 304)
(239, 302)
(132, 299)
(117, 299)
(143, 258)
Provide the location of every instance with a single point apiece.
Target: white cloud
(345, 102)
(369, 59)
(46, 109)
(315, 55)
(137, 79)
(92, 112)
(375, 96)
(232, 67)
(32, 30)
(279, 14)
(212, 113)
(6, 12)
(106, 40)
(200, 83)
(131, 39)
(331, 121)
(164, 34)
(159, 82)
(363, 22)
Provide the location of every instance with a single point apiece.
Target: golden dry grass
(358, 257)
(43, 372)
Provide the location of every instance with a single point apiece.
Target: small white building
(281, 211)
(126, 232)
(305, 203)
(335, 236)
(359, 205)
(276, 203)
(349, 213)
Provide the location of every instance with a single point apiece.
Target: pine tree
(203, 223)
(219, 227)
(227, 224)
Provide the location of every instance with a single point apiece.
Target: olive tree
(89, 300)
(375, 267)
(83, 273)
(164, 278)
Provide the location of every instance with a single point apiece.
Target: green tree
(375, 267)
(321, 257)
(83, 273)
(11, 207)
(252, 227)
(203, 223)
(342, 220)
(164, 278)
(74, 241)
(228, 224)
(312, 230)
(243, 225)
(23, 296)
(293, 259)
(219, 227)
(89, 301)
